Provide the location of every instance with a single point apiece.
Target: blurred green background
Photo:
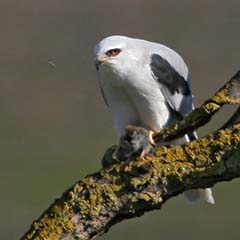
(54, 126)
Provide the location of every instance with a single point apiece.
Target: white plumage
(144, 84)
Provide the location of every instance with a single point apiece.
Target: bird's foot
(146, 141)
(151, 140)
(136, 141)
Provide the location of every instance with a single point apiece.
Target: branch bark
(91, 206)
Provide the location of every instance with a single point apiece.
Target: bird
(145, 84)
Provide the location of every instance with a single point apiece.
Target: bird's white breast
(134, 99)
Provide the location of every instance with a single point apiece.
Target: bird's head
(115, 53)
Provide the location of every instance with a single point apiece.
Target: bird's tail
(195, 195)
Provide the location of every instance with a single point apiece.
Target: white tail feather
(192, 196)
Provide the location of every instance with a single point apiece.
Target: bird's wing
(104, 98)
(175, 88)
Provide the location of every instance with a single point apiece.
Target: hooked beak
(99, 60)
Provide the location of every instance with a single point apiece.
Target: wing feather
(175, 88)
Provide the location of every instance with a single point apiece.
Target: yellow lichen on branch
(92, 205)
(129, 189)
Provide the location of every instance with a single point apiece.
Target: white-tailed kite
(145, 84)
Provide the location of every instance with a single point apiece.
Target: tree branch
(91, 206)
(228, 94)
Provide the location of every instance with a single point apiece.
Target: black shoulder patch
(168, 76)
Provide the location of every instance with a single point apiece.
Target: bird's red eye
(113, 52)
